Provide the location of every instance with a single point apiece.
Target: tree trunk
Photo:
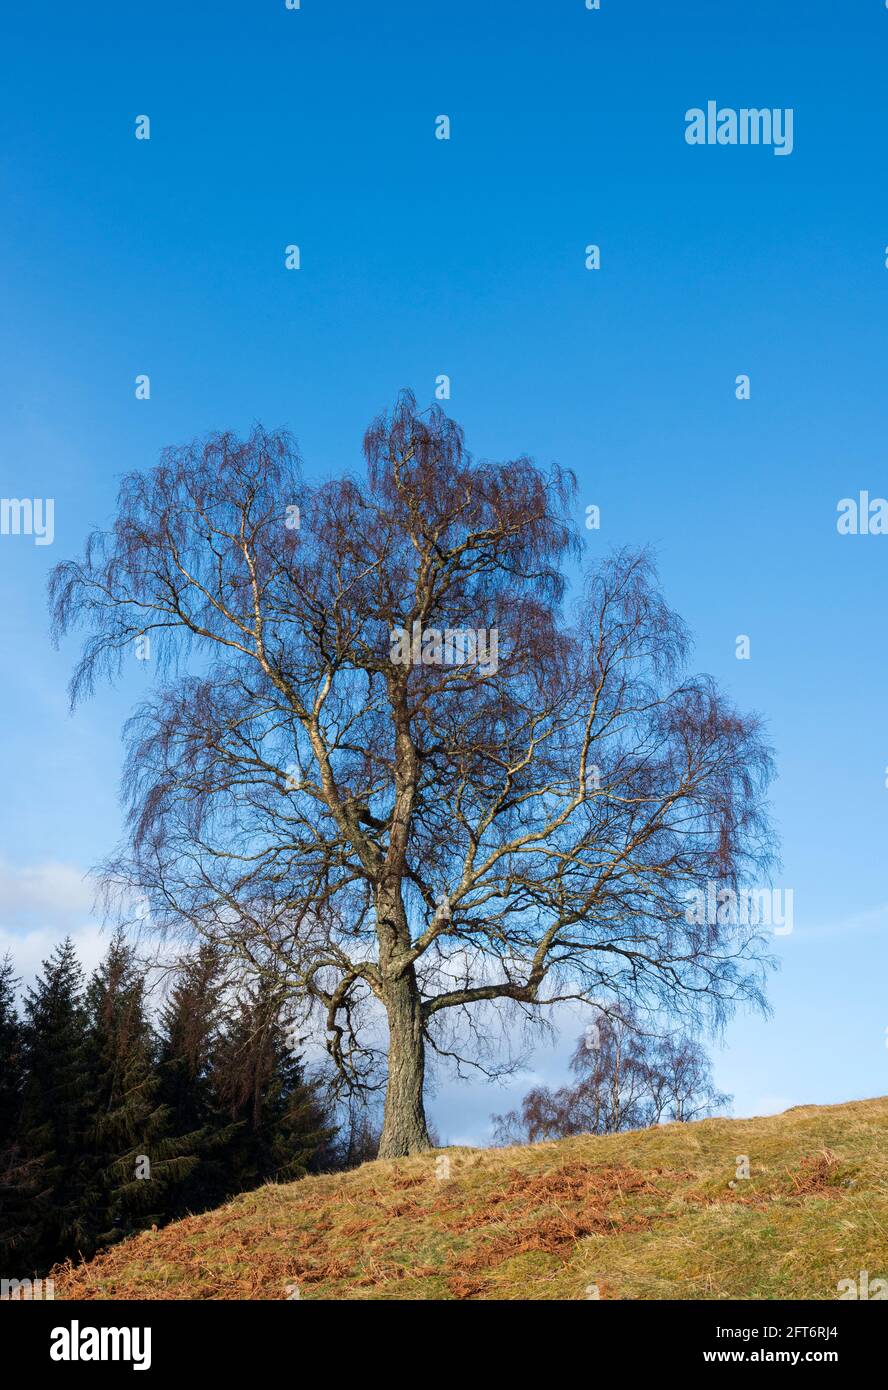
(404, 1129)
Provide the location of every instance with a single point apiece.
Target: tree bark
(404, 1129)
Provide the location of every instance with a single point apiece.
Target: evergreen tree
(18, 1177)
(137, 1158)
(107, 1127)
(55, 1124)
(189, 1036)
(284, 1130)
(12, 1055)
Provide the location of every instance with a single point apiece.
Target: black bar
(267, 1339)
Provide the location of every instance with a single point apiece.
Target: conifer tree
(12, 1060)
(18, 1177)
(258, 1077)
(190, 1024)
(108, 1126)
(55, 1123)
(137, 1158)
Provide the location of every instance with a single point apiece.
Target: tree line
(115, 1117)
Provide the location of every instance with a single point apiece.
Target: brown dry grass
(653, 1214)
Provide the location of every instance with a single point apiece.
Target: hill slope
(648, 1214)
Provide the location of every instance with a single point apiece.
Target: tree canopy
(427, 832)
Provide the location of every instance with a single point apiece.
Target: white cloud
(39, 906)
(60, 889)
(29, 949)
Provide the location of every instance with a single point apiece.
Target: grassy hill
(655, 1213)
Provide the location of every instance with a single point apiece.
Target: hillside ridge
(655, 1213)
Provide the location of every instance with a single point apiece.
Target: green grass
(648, 1214)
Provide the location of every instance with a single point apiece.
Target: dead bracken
(642, 1214)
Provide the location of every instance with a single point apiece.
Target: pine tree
(138, 1160)
(12, 1055)
(284, 1129)
(18, 1176)
(55, 1124)
(189, 1036)
(107, 1127)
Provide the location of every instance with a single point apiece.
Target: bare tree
(626, 1079)
(382, 758)
(681, 1082)
(612, 1091)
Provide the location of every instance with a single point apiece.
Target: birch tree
(387, 760)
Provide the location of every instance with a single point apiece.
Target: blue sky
(466, 257)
